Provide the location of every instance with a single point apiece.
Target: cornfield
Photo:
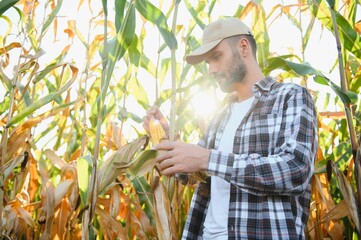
(75, 160)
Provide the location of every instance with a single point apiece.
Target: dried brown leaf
(34, 178)
(55, 159)
(25, 215)
(9, 47)
(107, 173)
(115, 201)
(162, 212)
(61, 220)
(348, 194)
(48, 202)
(112, 229)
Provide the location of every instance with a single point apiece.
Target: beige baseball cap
(214, 33)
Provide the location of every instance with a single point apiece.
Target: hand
(179, 157)
(155, 113)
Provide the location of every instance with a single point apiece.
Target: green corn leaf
(350, 39)
(308, 32)
(331, 3)
(119, 14)
(51, 17)
(348, 97)
(84, 165)
(134, 53)
(105, 6)
(41, 102)
(141, 185)
(195, 12)
(116, 50)
(356, 84)
(154, 15)
(6, 4)
(261, 34)
(138, 91)
(124, 38)
(302, 69)
(143, 163)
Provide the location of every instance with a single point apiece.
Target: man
(259, 150)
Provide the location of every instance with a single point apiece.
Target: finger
(150, 112)
(166, 164)
(162, 156)
(169, 171)
(165, 146)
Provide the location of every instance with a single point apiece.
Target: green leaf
(356, 83)
(84, 170)
(124, 37)
(154, 15)
(51, 17)
(119, 14)
(105, 6)
(320, 166)
(347, 97)
(134, 54)
(331, 3)
(261, 34)
(308, 32)
(350, 39)
(195, 12)
(143, 163)
(5, 104)
(41, 102)
(138, 91)
(6, 4)
(116, 49)
(141, 185)
(302, 69)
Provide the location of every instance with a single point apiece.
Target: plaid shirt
(270, 168)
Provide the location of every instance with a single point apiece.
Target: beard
(234, 74)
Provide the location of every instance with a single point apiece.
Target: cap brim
(197, 55)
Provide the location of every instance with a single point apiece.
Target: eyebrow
(211, 54)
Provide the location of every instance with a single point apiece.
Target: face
(226, 66)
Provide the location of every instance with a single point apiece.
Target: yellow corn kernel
(156, 131)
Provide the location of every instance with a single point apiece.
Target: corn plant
(70, 169)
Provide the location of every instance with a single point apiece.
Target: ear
(244, 47)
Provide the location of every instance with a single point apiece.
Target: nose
(212, 69)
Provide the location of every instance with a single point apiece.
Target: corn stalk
(347, 107)
(92, 192)
(110, 56)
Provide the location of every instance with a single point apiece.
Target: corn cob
(156, 131)
(157, 134)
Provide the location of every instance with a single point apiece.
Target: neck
(244, 88)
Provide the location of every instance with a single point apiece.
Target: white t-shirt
(216, 222)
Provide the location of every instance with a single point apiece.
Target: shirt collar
(263, 86)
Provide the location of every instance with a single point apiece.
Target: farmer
(259, 151)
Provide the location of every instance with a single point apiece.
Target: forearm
(285, 173)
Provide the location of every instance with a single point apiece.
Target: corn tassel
(156, 130)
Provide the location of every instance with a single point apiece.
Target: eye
(216, 57)
(213, 57)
